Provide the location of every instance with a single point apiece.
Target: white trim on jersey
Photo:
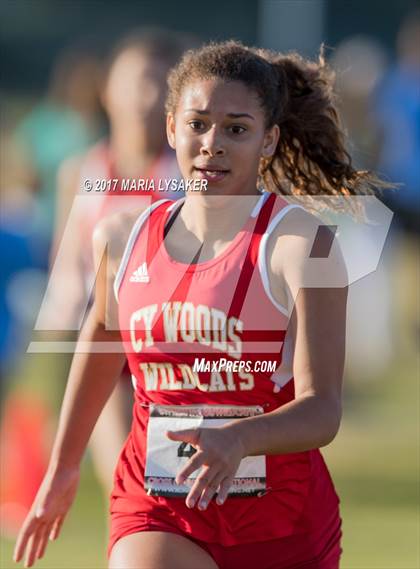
(177, 202)
(262, 256)
(258, 206)
(130, 245)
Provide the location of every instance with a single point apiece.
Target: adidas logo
(140, 275)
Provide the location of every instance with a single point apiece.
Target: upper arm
(318, 329)
(308, 266)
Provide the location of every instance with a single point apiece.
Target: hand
(53, 501)
(219, 452)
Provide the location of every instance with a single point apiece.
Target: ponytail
(311, 157)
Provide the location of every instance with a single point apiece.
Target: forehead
(135, 61)
(219, 96)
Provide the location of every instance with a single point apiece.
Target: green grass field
(374, 462)
(375, 465)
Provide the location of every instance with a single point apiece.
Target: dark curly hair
(311, 158)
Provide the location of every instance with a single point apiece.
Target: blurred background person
(133, 95)
(360, 63)
(66, 121)
(396, 107)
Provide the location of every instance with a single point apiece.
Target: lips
(213, 173)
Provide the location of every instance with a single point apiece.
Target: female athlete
(221, 468)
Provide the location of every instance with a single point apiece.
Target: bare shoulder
(111, 234)
(117, 225)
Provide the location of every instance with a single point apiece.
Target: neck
(216, 217)
(134, 148)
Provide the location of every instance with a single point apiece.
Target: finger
(186, 435)
(56, 528)
(210, 490)
(28, 528)
(32, 547)
(193, 464)
(225, 486)
(205, 478)
(43, 542)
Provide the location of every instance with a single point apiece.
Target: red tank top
(170, 314)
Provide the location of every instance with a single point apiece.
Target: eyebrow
(230, 115)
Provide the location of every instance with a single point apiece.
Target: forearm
(91, 381)
(305, 423)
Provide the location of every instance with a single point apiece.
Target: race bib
(164, 458)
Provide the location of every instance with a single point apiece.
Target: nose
(212, 144)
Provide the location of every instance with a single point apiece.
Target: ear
(170, 129)
(271, 139)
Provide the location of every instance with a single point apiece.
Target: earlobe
(170, 130)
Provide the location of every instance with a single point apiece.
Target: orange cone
(24, 434)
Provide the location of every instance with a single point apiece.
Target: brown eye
(196, 125)
(236, 129)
